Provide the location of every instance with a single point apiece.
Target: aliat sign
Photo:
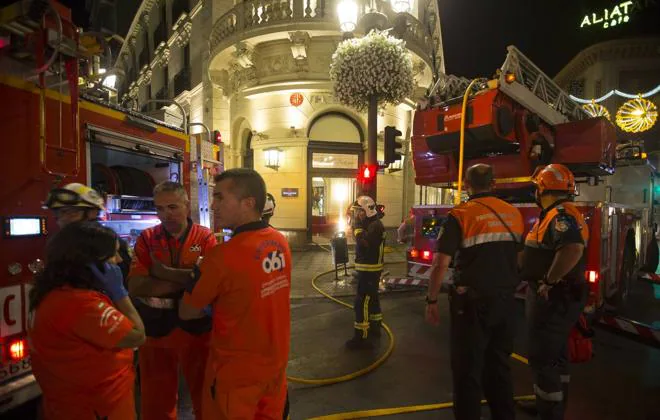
(609, 17)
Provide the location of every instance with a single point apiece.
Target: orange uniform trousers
(124, 409)
(263, 401)
(160, 360)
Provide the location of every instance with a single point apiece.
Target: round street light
(347, 11)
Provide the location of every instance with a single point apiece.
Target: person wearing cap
(165, 257)
(76, 202)
(553, 264)
(369, 234)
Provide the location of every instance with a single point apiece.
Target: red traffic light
(367, 173)
(217, 137)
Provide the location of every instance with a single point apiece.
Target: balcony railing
(259, 14)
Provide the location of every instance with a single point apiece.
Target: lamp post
(350, 18)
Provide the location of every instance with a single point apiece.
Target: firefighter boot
(359, 342)
(375, 329)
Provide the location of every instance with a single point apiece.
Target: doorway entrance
(331, 198)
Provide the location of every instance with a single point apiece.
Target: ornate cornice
(620, 49)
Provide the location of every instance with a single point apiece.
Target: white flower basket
(375, 65)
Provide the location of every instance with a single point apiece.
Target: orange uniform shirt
(73, 334)
(248, 280)
(178, 253)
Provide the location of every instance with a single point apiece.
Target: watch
(431, 302)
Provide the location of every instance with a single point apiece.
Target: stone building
(258, 71)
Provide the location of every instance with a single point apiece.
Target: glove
(111, 280)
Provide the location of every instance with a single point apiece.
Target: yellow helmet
(74, 195)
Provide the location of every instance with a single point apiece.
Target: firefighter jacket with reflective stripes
(369, 245)
(559, 225)
(484, 249)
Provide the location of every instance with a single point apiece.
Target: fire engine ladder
(536, 91)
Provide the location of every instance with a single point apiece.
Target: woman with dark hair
(83, 327)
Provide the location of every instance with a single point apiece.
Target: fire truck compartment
(587, 147)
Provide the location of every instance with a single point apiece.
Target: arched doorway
(248, 152)
(334, 155)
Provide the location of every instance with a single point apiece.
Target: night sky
(477, 32)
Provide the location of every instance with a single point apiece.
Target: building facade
(258, 71)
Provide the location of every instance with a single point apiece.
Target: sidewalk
(308, 264)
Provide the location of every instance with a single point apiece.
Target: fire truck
(59, 126)
(517, 122)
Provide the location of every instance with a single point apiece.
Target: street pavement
(621, 382)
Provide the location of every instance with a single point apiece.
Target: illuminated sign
(609, 17)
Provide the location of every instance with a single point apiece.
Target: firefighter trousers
(160, 363)
(550, 322)
(367, 302)
(481, 343)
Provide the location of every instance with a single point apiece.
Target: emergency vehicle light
(426, 255)
(592, 276)
(510, 77)
(17, 350)
(414, 253)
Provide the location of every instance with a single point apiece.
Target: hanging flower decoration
(377, 64)
(596, 110)
(637, 115)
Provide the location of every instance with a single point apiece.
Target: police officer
(484, 236)
(554, 265)
(79, 203)
(369, 234)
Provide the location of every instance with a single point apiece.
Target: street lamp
(402, 6)
(347, 11)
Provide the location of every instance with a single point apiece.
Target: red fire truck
(517, 122)
(59, 129)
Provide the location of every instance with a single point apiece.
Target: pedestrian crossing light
(392, 146)
(367, 177)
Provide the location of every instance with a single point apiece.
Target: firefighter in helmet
(269, 208)
(79, 203)
(554, 265)
(369, 234)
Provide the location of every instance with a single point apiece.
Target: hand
(111, 280)
(543, 290)
(432, 314)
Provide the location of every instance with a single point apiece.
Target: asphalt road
(621, 382)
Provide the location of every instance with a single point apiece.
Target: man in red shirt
(164, 258)
(247, 280)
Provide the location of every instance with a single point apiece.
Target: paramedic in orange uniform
(83, 328)
(247, 280)
(164, 257)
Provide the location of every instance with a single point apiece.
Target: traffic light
(217, 137)
(367, 177)
(391, 145)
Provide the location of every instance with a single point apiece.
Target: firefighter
(81, 339)
(484, 236)
(369, 234)
(269, 208)
(247, 280)
(77, 203)
(164, 257)
(554, 264)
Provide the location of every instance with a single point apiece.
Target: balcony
(257, 18)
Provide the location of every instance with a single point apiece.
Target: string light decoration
(617, 93)
(637, 115)
(596, 110)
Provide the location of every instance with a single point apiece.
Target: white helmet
(74, 195)
(367, 204)
(269, 207)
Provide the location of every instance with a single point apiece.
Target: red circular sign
(296, 99)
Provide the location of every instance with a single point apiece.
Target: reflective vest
(536, 235)
(370, 257)
(487, 256)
